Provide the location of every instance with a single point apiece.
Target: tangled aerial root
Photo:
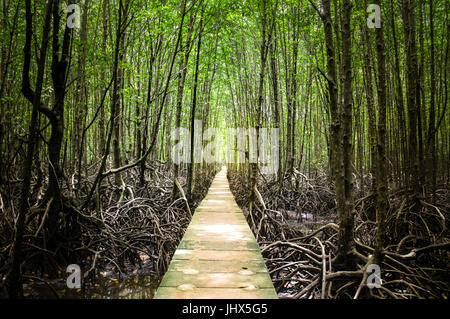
(122, 226)
(150, 226)
(300, 259)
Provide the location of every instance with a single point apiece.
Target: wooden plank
(218, 256)
(221, 218)
(218, 245)
(215, 293)
(204, 235)
(217, 265)
(217, 279)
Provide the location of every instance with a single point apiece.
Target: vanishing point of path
(218, 256)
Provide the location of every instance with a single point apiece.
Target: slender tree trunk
(346, 216)
(382, 185)
(420, 101)
(14, 279)
(293, 77)
(59, 68)
(404, 166)
(181, 81)
(266, 38)
(276, 102)
(154, 51)
(81, 97)
(117, 86)
(190, 175)
(431, 136)
(370, 105)
(104, 42)
(408, 15)
(335, 149)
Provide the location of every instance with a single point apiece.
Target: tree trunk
(399, 104)
(382, 184)
(14, 278)
(180, 90)
(370, 105)
(408, 15)
(431, 136)
(276, 102)
(59, 67)
(190, 175)
(346, 215)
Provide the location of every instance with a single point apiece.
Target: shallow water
(133, 287)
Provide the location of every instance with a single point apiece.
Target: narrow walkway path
(218, 256)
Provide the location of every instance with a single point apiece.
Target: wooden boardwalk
(218, 256)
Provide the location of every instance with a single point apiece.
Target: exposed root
(134, 225)
(300, 257)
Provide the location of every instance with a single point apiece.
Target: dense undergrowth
(300, 255)
(123, 230)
